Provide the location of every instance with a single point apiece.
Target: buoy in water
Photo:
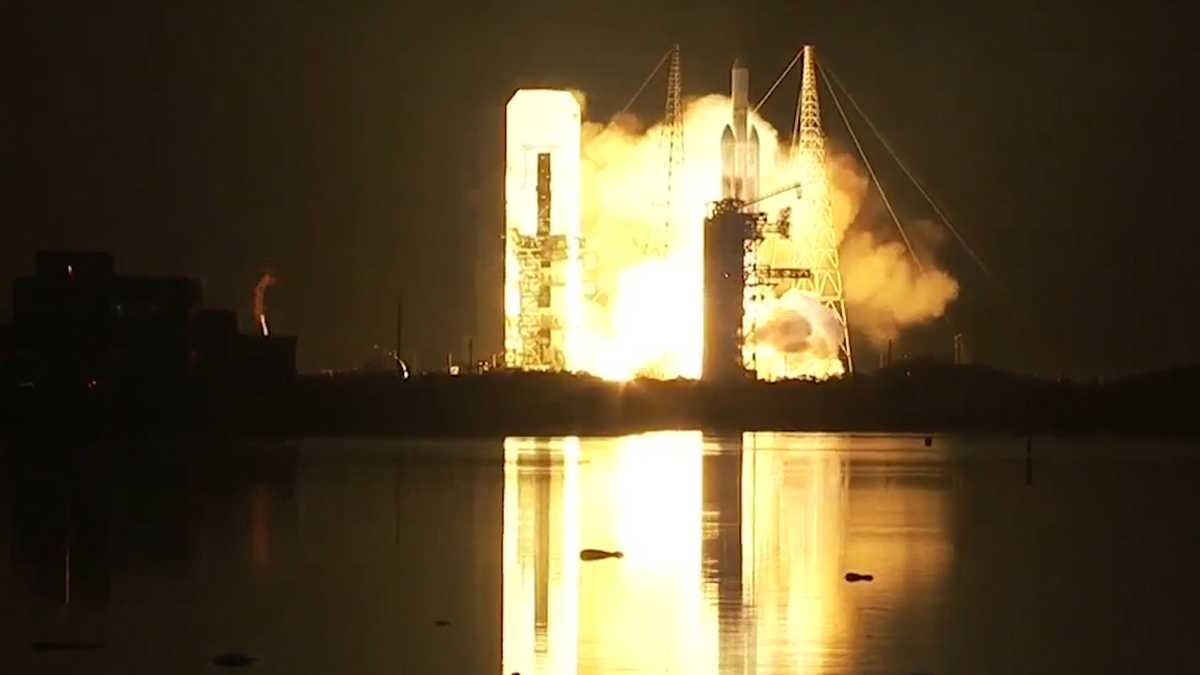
(597, 554)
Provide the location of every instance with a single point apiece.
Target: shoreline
(918, 400)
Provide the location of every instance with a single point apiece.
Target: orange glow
(642, 496)
(637, 310)
(794, 520)
(541, 545)
(542, 297)
(684, 600)
(558, 613)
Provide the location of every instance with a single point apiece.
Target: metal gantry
(818, 250)
(673, 131)
(537, 256)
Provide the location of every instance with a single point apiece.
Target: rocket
(739, 142)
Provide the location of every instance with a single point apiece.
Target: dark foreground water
(382, 556)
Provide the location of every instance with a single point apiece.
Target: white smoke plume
(795, 332)
(884, 288)
(644, 314)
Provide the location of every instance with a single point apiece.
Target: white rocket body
(739, 143)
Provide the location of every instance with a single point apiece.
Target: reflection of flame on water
(628, 507)
(794, 512)
(642, 496)
(541, 554)
(731, 572)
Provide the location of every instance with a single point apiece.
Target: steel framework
(815, 234)
(536, 257)
(673, 130)
(749, 228)
(541, 276)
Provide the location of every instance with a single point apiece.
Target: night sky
(357, 152)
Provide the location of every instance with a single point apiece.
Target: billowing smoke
(644, 311)
(884, 288)
(795, 333)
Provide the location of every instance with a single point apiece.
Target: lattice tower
(814, 222)
(673, 127)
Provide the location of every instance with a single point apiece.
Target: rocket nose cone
(727, 135)
(737, 63)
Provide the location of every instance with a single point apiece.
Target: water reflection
(370, 556)
(314, 557)
(734, 552)
(792, 518)
(541, 537)
(60, 537)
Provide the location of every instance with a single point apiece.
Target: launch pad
(745, 260)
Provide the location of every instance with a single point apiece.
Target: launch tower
(813, 227)
(542, 270)
(734, 273)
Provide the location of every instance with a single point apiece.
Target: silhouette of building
(77, 323)
(219, 352)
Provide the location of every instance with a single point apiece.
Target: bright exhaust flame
(640, 314)
(646, 317)
(793, 336)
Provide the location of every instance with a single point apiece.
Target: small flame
(260, 309)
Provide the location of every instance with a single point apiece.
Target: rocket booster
(739, 142)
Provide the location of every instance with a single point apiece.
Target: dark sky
(356, 152)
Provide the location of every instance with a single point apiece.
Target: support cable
(799, 53)
(916, 183)
(657, 67)
(1045, 342)
(879, 186)
(871, 170)
(1006, 294)
(796, 123)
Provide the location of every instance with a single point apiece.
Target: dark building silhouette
(264, 358)
(77, 323)
(6, 343)
(220, 353)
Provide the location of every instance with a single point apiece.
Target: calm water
(352, 556)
